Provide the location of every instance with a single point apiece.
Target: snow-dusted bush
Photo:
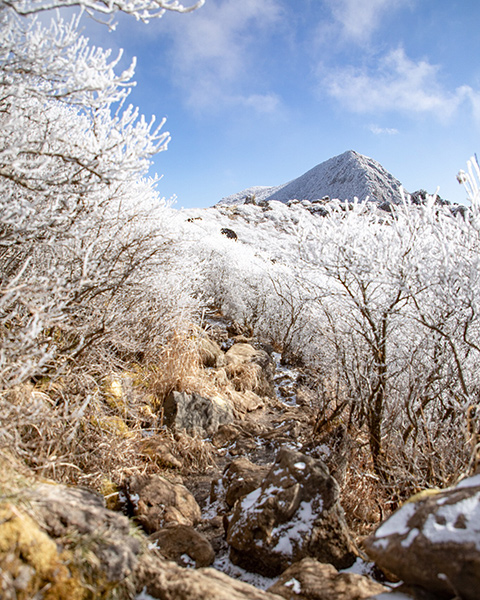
(383, 306)
(80, 238)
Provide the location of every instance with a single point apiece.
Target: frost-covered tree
(81, 238)
(383, 308)
(140, 9)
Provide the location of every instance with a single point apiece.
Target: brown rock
(433, 541)
(225, 435)
(156, 501)
(295, 513)
(312, 580)
(240, 478)
(246, 401)
(160, 451)
(167, 581)
(184, 545)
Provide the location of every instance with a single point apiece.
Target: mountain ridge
(345, 177)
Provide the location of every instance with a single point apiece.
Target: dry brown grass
(178, 366)
(244, 376)
(89, 426)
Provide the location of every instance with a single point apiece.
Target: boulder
(159, 450)
(168, 581)
(245, 402)
(240, 478)
(73, 510)
(196, 414)
(433, 541)
(226, 435)
(155, 501)
(250, 369)
(312, 580)
(62, 543)
(294, 513)
(31, 561)
(184, 545)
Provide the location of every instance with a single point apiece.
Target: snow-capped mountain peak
(347, 176)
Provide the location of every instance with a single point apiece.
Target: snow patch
(397, 524)
(225, 565)
(469, 482)
(294, 584)
(458, 523)
(296, 530)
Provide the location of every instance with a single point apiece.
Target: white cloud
(358, 19)
(397, 84)
(214, 51)
(383, 130)
(263, 103)
(474, 98)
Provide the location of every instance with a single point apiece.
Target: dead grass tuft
(244, 376)
(195, 454)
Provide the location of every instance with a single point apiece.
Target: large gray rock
(295, 513)
(196, 414)
(156, 502)
(312, 580)
(433, 541)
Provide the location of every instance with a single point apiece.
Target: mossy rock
(110, 492)
(115, 394)
(113, 425)
(30, 562)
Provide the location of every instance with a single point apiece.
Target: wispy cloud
(383, 130)
(358, 19)
(214, 52)
(396, 84)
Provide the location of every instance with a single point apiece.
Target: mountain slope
(345, 177)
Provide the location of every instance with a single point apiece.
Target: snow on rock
(294, 513)
(433, 541)
(347, 176)
(309, 579)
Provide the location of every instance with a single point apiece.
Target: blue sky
(256, 92)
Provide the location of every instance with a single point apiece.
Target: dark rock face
(195, 414)
(229, 233)
(434, 541)
(295, 513)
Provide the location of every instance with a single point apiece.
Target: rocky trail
(270, 503)
(267, 499)
(244, 500)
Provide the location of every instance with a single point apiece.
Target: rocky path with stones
(269, 510)
(265, 503)
(261, 520)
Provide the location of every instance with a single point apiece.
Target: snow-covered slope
(347, 176)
